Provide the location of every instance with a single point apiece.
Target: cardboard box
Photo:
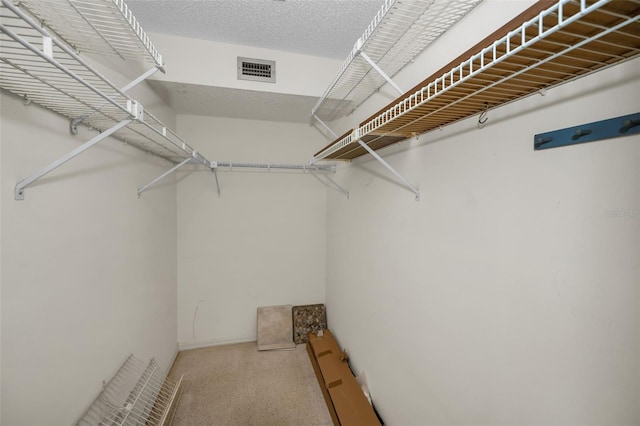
(351, 404)
(345, 400)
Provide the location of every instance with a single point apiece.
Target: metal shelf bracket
(162, 176)
(24, 183)
(380, 71)
(406, 183)
(76, 121)
(332, 183)
(214, 168)
(331, 132)
(337, 186)
(359, 51)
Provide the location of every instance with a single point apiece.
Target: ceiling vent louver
(256, 70)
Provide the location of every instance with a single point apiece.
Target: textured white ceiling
(326, 28)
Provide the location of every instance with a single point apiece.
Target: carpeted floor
(237, 385)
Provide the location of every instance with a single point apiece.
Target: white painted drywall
(88, 269)
(262, 242)
(208, 63)
(510, 293)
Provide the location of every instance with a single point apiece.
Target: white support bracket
(214, 168)
(375, 155)
(324, 125)
(162, 176)
(380, 71)
(47, 46)
(74, 122)
(20, 186)
(136, 110)
(333, 183)
(358, 51)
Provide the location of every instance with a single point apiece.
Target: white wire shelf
(39, 67)
(139, 394)
(106, 27)
(551, 43)
(400, 30)
(39, 61)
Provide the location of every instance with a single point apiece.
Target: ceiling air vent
(256, 70)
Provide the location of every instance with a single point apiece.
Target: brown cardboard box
(352, 406)
(324, 343)
(344, 397)
(325, 391)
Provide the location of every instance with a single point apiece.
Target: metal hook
(542, 141)
(628, 124)
(580, 133)
(483, 115)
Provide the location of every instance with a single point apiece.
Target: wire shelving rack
(551, 43)
(400, 30)
(138, 394)
(40, 46)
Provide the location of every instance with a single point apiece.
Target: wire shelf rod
(274, 166)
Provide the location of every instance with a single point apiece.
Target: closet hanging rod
(324, 168)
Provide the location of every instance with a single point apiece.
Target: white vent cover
(256, 70)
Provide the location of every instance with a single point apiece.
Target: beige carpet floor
(237, 385)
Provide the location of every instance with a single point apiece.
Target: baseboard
(196, 344)
(173, 358)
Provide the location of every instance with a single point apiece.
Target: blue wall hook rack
(606, 129)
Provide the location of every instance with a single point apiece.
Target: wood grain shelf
(551, 43)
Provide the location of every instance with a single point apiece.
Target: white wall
(209, 63)
(262, 242)
(506, 295)
(88, 269)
